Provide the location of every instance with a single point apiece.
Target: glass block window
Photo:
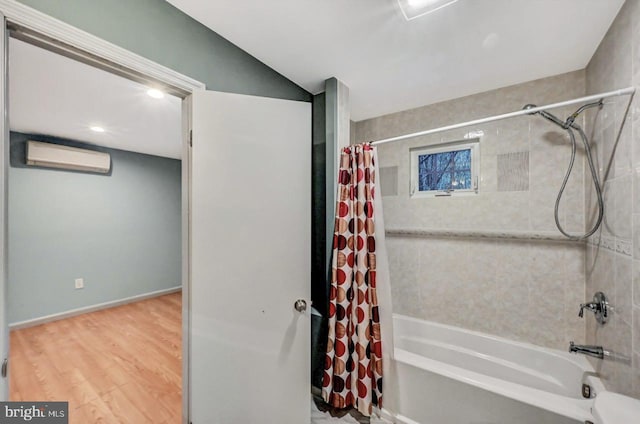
(444, 170)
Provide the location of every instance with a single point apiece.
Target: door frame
(35, 27)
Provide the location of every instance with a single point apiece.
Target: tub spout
(595, 351)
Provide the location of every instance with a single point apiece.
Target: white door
(250, 259)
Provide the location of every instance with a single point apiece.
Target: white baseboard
(92, 308)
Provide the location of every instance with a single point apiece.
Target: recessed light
(418, 3)
(415, 8)
(97, 129)
(155, 93)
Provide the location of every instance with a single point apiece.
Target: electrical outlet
(79, 283)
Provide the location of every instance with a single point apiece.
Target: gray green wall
(160, 32)
(120, 232)
(319, 270)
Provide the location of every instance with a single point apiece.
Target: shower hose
(570, 126)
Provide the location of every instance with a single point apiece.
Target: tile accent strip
(613, 244)
(507, 235)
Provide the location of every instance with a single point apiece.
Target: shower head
(547, 116)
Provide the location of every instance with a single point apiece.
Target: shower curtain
(353, 364)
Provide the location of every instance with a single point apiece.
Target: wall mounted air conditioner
(65, 157)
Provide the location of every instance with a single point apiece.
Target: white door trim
(4, 233)
(62, 32)
(96, 48)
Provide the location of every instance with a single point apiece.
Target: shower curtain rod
(621, 92)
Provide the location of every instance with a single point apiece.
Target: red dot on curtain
(360, 174)
(326, 380)
(341, 276)
(377, 349)
(369, 209)
(343, 210)
(344, 177)
(360, 243)
(350, 259)
(372, 279)
(332, 310)
(341, 242)
(360, 313)
(375, 317)
(371, 244)
(340, 348)
(327, 362)
(332, 293)
(350, 399)
(352, 225)
(362, 390)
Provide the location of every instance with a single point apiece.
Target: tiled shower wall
(613, 254)
(522, 289)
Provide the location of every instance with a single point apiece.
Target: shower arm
(571, 119)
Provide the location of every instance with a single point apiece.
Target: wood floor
(118, 365)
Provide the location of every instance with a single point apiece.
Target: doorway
(94, 285)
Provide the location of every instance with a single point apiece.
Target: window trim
(472, 144)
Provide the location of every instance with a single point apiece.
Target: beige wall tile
(611, 269)
(456, 279)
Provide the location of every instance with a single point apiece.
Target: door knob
(300, 305)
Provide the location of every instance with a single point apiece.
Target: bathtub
(447, 375)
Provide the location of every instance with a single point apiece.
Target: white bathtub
(447, 375)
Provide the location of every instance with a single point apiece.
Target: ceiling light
(155, 93)
(418, 3)
(97, 129)
(415, 8)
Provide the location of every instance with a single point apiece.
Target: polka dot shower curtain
(353, 364)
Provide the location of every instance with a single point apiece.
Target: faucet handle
(589, 306)
(599, 306)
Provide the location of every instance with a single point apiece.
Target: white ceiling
(391, 64)
(52, 95)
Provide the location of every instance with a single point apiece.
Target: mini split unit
(64, 157)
